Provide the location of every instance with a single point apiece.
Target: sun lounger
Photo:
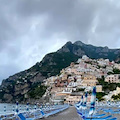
(22, 117)
(100, 118)
(112, 119)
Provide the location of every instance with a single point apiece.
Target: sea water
(6, 109)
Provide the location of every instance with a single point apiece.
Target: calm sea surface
(11, 108)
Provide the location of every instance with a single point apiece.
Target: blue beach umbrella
(5, 111)
(77, 103)
(42, 111)
(17, 111)
(85, 101)
(81, 103)
(27, 109)
(93, 99)
(41, 106)
(35, 107)
(20, 108)
(35, 110)
(27, 106)
(13, 108)
(17, 107)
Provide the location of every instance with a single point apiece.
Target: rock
(8, 97)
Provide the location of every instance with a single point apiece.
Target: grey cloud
(31, 28)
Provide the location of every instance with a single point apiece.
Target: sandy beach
(69, 114)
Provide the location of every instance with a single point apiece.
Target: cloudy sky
(31, 28)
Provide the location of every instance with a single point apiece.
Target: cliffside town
(27, 85)
(81, 76)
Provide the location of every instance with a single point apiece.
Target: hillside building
(113, 78)
(89, 80)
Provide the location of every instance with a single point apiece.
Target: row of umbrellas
(83, 103)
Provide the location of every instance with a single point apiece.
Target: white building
(113, 78)
(117, 66)
(85, 58)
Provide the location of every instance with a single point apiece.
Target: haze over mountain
(17, 86)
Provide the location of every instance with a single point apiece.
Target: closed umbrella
(81, 103)
(93, 99)
(85, 101)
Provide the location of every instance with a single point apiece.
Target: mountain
(21, 86)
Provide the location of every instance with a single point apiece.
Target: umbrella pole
(91, 116)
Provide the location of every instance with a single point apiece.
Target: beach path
(69, 114)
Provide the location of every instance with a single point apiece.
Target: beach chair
(56, 111)
(115, 112)
(22, 117)
(112, 119)
(111, 111)
(87, 115)
(100, 118)
(99, 115)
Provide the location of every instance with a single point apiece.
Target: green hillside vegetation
(115, 71)
(37, 91)
(54, 62)
(100, 95)
(116, 97)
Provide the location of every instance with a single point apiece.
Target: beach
(69, 114)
